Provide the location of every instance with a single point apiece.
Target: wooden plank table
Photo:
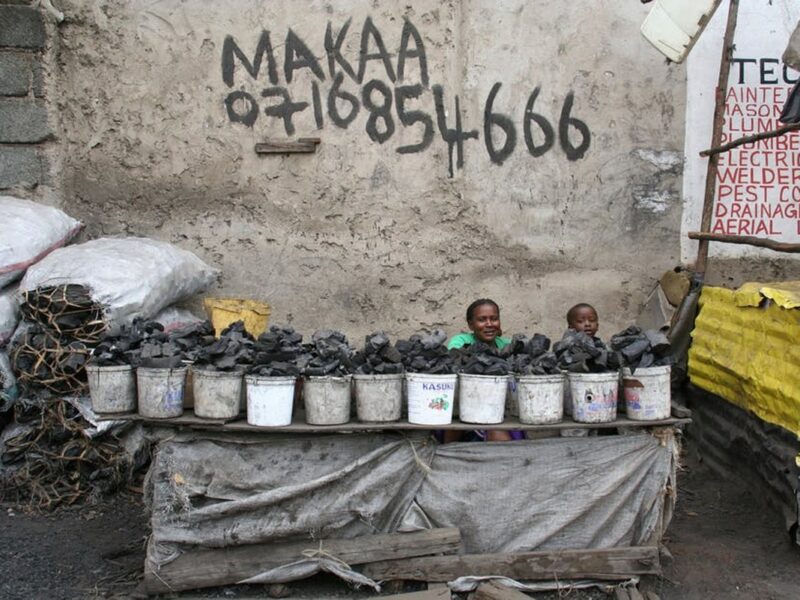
(190, 420)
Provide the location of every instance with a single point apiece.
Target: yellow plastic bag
(224, 311)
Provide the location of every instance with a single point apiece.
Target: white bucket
(217, 394)
(541, 399)
(379, 398)
(327, 400)
(112, 388)
(270, 400)
(482, 398)
(594, 397)
(430, 398)
(647, 393)
(161, 392)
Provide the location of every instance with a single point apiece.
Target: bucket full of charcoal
(327, 389)
(482, 398)
(539, 383)
(594, 396)
(112, 388)
(217, 394)
(431, 378)
(161, 391)
(378, 380)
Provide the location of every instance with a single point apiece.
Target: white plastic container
(594, 396)
(482, 398)
(541, 399)
(270, 400)
(647, 392)
(327, 400)
(379, 398)
(217, 394)
(112, 389)
(430, 398)
(161, 392)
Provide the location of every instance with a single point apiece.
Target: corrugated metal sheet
(750, 356)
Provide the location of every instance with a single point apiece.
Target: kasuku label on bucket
(438, 387)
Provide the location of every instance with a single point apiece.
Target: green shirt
(465, 339)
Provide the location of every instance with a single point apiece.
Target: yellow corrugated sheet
(750, 355)
(785, 294)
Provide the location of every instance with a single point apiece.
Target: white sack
(30, 232)
(129, 277)
(9, 314)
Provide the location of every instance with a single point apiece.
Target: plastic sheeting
(748, 355)
(9, 314)
(129, 277)
(785, 294)
(221, 490)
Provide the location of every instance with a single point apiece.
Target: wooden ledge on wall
(299, 146)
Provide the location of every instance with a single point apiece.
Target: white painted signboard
(758, 184)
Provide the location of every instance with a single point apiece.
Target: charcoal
(481, 359)
(580, 353)
(234, 350)
(641, 349)
(279, 353)
(377, 357)
(427, 353)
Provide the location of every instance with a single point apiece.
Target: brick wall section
(24, 126)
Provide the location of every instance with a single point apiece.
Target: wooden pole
(716, 136)
(748, 240)
(764, 135)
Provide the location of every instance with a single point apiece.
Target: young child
(583, 317)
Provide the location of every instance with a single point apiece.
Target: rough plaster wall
(358, 236)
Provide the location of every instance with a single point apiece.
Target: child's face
(485, 323)
(585, 320)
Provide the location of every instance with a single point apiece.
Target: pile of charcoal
(234, 350)
(640, 349)
(67, 310)
(43, 358)
(532, 356)
(427, 353)
(279, 352)
(481, 359)
(378, 357)
(580, 353)
(331, 355)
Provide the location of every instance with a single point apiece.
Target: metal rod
(764, 135)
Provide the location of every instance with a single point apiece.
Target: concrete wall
(360, 235)
(24, 126)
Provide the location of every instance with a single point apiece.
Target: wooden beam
(224, 566)
(747, 240)
(437, 594)
(716, 135)
(492, 590)
(299, 146)
(608, 563)
(764, 135)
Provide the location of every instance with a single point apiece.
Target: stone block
(21, 165)
(23, 121)
(15, 73)
(21, 27)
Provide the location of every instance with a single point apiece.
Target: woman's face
(485, 323)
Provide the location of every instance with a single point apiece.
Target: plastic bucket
(327, 400)
(541, 399)
(430, 398)
(482, 398)
(112, 389)
(270, 400)
(379, 398)
(161, 392)
(217, 394)
(594, 396)
(647, 392)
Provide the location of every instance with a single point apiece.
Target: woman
(483, 320)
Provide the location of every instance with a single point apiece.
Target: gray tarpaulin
(219, 490)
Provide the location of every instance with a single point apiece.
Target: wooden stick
(764, 135)
(224, 566)
(606, 563)
(748, 240)
(716, 135)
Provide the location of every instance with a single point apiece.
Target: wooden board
(492, 590)
(189, 419)
(429, 594)
(224, 566)
(608, 563)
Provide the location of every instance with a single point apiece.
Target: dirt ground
(725, 545)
